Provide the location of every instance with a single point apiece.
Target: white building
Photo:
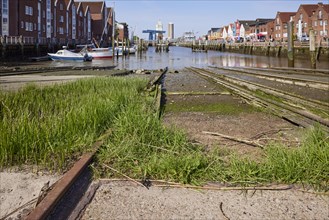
(159, 27)
(170, 31)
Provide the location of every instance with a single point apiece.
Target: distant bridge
(153, 33)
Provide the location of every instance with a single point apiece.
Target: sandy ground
(20, 188)
(125, 200)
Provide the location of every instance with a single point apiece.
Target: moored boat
(100, 53)
(66, 55)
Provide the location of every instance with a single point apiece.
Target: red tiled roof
(326, 7)
(285, 16)
(309, 9)
(95, 7)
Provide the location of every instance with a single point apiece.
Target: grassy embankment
(50, 126)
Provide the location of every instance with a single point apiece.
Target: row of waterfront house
(307, 17)
(58, 22)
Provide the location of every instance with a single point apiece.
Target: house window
(28, 10)
(305, 24)
(301, 17)
(28, 26)
(22, 24)
(320, 14)
(35, 26)
(321, 23)
(61, 7)
(277, 21)
(5, 7)
(61, 30)
(315, 23)
(61, 19)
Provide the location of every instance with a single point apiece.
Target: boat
(66, 55)
(100, 52)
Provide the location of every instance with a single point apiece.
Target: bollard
(291, 56)
(312, 49)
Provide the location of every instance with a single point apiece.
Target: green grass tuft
(52, 125)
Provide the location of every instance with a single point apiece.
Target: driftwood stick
(135, 181)
(283, 187)
(221, 209)
(251, 143)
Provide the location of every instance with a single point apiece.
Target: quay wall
(301, 50)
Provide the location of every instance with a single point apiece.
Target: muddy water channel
(180, 57)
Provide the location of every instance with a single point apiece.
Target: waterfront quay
(273, 49)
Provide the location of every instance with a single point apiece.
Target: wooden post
(21, 45)
(312, 49)
(113, 47)
(291, 56)
(128, 46)
(4, 46)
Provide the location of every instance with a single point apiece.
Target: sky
(196, 16)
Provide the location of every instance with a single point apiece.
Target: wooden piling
(21, 45)
(3, 41)
(291, 56)
(318, 50)
(113, 47)
(312, 49)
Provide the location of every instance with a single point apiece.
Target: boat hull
(65, 55)
(61, 58)
(107, 54)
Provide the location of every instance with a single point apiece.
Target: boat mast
(113, 29)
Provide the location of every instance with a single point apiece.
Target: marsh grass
(142, 147)
(50, 126)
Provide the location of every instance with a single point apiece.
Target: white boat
(66, 55)
(119, 50)
(100, 53)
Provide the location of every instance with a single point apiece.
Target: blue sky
(197, 16)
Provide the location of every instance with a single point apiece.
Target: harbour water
(180, 57)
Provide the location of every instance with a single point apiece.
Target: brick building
(320, 21)
(303, 18)
(262, 28)
(281, 25)
(56, 21)
(122, 29)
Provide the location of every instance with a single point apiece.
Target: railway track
(297, 110)
(316, 81)
(67, 198)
